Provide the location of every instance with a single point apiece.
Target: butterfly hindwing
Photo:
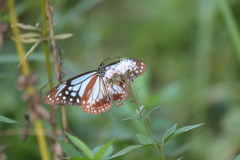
(96, 99)
(119, 92)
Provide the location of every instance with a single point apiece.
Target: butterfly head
(101, 70)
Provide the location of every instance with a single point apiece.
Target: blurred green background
(191, 48)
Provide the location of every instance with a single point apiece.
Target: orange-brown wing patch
(95, 98)
(119, 92)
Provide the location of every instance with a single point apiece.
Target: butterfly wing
(119, 92)
(70, 91)
(95, 98)
(141, 68)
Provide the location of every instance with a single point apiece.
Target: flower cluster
(116, 72)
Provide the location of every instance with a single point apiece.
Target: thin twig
(56, 64)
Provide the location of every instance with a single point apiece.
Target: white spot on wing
(76, 88)
(73, 94)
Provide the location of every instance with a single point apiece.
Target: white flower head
(116, 72)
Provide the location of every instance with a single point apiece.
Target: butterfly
(89, 91)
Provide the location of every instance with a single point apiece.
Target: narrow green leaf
(168, 133)
(30, 35)
(187, 128)
(141, 109)
(143, 139)
(150, 110)
(101, 152)
(80, 158)
(6, 120)
(28, 53)
(238, 157)
(81, 145)
(69, 149)
(63, 36)
(106, 154)
(184, 129)
(28, 40)
(27, 27)
(129, 118)
(130, 148)
(179, 158)
(137, 90)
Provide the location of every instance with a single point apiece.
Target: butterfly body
(89, 91)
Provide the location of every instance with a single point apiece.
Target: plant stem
(145, 124)
(45, 43)
(26, 71)
(56, 64)
(231, 24)
(156, 142)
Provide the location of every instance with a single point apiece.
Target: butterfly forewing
(96, 99)
(70, 91)
(141, 68)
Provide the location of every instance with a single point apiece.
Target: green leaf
(29, 52)
(141, 109)
(28, 40)
(137, 90)
(150, 110)
(238, 157)
(143, 139)
(184, 129)
(30, 35)
(69, 149)
(81, 145)
(101, 152)
(129, 118)
(80, 158)
(179, 158)
(187, 128)
(106, 154)
(6, 120)
(168, 134)
(27, 27)
(63, 36)
(130, 148)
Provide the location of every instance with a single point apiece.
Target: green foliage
(172, 132)
(99, 153)
(143, 139)
(6, 120)
(103, 150)
(238, 157)
(192, 55)
(80, 145)
(69, 149)
(80, 158)
(143, 113)
(130, 148)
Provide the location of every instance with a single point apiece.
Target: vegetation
(192, 52)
